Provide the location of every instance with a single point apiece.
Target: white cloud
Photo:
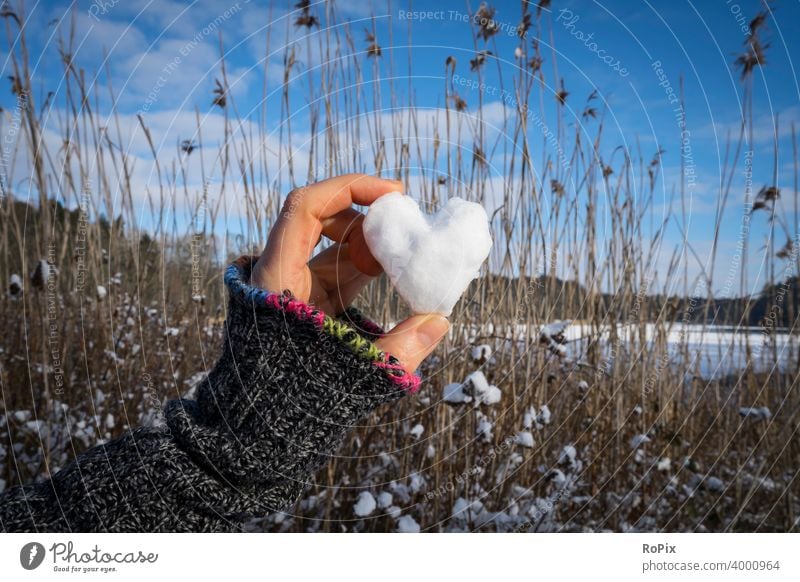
(764, 129)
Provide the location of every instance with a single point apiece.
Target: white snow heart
(430, 260)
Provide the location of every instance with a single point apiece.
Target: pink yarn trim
(409, 382)
(371, 328)
(273, 301)
(305, 311)
(297, 308)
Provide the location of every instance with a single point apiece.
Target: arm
(289, 384)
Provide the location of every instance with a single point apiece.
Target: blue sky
(162, 59)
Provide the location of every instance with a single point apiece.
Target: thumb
(413, 339)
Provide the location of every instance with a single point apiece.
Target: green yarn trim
(351, 338)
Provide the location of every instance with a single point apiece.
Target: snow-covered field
(473, 457)
(498, 446)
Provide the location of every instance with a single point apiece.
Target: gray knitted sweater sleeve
(289, 383)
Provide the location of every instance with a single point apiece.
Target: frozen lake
(710, 351)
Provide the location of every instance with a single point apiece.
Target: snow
(557, 477)
(417, 431)
(491, 396)
(459, 507)
(34, 425)
(481, 353)
(529, 418)
(762, 413)
(761, 482)
(400, 490)
(479, 388)
(537, 420)
(544, 414)
(42, 272)
(713, 483)
(524, 439)
(15, 285)
(475, 387)
(568, 454)
(22, 415)
(393, 511)
(430, 260)
(484, 428)
(716, 350)
(555, 329)
(112, 355)
(639, 440)
(407, 524)
(417, 482)
(454, 394)
(309, 502)
(475, 512)
(385, 499)
(466, 510)
(101, 292)
(365, 505)
(664, 464)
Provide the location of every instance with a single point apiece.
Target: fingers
(341, 225)
(414, 339)
(347, 291)
(337, 281)
(346, 227)
(300, 224)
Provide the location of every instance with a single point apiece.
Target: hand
(333, 278)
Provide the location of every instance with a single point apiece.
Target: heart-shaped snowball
(429, 259)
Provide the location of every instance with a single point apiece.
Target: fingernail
(432, 329)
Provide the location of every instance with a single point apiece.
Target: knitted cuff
(351, 327)
(289, 384)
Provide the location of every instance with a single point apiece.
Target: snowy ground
(466, 457)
